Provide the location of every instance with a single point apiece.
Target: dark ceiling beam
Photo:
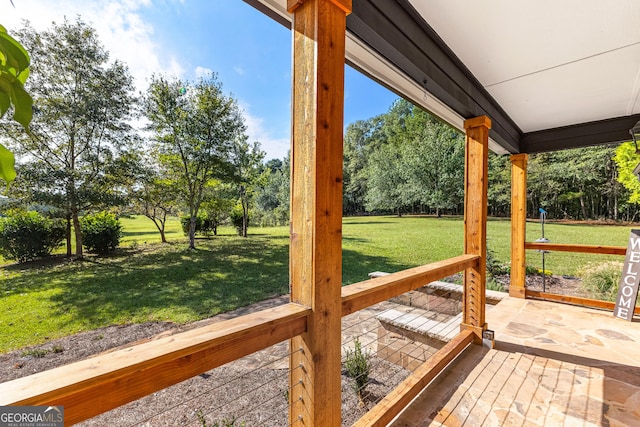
(581, 135)
(397, 32)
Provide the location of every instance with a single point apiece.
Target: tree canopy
(80, 128)
(197, 131)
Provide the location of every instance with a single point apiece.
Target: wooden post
(518, 224)
(476, 166)
(315, 260)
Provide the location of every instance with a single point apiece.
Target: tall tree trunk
(192, 232)
(68, 236)
(78, 231)
(245, 217)
(583, 207)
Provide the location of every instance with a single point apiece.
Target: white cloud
(119, 24)
(274, 147)
(202, 72)
(239, 70)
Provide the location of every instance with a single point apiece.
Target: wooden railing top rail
(589, 249)
(584, 302)
(361, 295)
(98, 384)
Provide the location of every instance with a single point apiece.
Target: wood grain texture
(394, 402)
(345, 5)
(361, 295)
(99, 384)
(518, 224)
(476, 168)
(315, 260)
(588, 249)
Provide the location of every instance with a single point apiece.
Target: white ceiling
(548, 63)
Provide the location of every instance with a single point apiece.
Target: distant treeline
(409, 162)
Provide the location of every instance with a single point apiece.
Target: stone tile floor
(552, 365)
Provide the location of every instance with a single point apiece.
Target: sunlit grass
(150, 281)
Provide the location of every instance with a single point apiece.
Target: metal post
(543, 216)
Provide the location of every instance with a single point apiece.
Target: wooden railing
(96, 385)
(589, 249)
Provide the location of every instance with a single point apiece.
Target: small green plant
(101, 232)
(357, 363)
(494, 285)
(602, 280)
(226, 422)
(529, 269)
(27, 235)
(35, 353)
(134, 245)
(38, 353)
(494, 266)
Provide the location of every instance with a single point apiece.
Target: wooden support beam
(586, 249)
(99, 384)
(361, 295)
(315, 264)
(518, 224)
(394, 402)
(476, 167)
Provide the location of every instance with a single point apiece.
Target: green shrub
(602, 280)
(236, 218)
(494, 285)
(27, 235)
(357, 363)
(101, 232)
(204, 224)
(494, 266)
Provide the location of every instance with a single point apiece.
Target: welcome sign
(628, 289)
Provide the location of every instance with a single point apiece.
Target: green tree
(154, 196)
(415, 161)
(387, 183)
(627, 160)
(434, 161)
(14, 70)
(195, 127)
(361, 138)
(217, 203)
(499, 188)
(80, 127)
(247, 161)
(272, 195)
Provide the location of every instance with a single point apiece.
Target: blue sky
(250, 53)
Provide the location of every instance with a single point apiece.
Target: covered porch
(551, 362)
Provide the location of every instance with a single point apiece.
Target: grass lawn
(147, 281)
